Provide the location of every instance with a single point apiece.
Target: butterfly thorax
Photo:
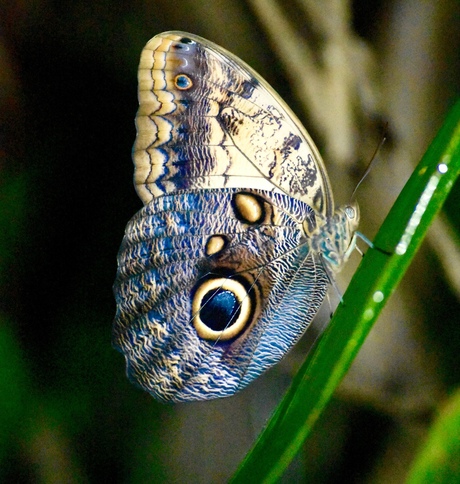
(334, 237)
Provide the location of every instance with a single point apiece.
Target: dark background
(67, 104)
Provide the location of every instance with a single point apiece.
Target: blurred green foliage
(67, 412)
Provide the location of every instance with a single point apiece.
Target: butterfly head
(335, 239)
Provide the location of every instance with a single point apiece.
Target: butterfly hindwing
(168, 254)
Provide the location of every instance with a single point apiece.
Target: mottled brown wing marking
(222, 126)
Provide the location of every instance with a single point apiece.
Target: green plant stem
(375, 280)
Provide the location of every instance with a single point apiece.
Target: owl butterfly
(229, 260)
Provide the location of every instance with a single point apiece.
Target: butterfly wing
(207, 120)
(183, 259)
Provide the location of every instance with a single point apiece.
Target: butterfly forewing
(207, 120)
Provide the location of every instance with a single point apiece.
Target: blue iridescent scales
(229, 260)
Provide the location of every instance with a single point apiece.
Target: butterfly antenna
(373, 160)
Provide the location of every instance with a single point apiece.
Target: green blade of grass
(439, 457)
(375, 280)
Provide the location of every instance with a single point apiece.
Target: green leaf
(373, 283)
(439, 458)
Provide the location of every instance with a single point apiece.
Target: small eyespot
(221, 309)
(183, 82)
(248, 208)
(215, 244)
(182, 44)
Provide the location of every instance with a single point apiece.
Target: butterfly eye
(350, 212)
(221, 309)
(183, 82)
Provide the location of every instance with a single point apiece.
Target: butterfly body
(229, 260)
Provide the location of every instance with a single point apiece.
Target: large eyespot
(221, 309)
(248, 208)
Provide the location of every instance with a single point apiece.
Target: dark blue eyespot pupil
(182, 82)
(219, 309)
